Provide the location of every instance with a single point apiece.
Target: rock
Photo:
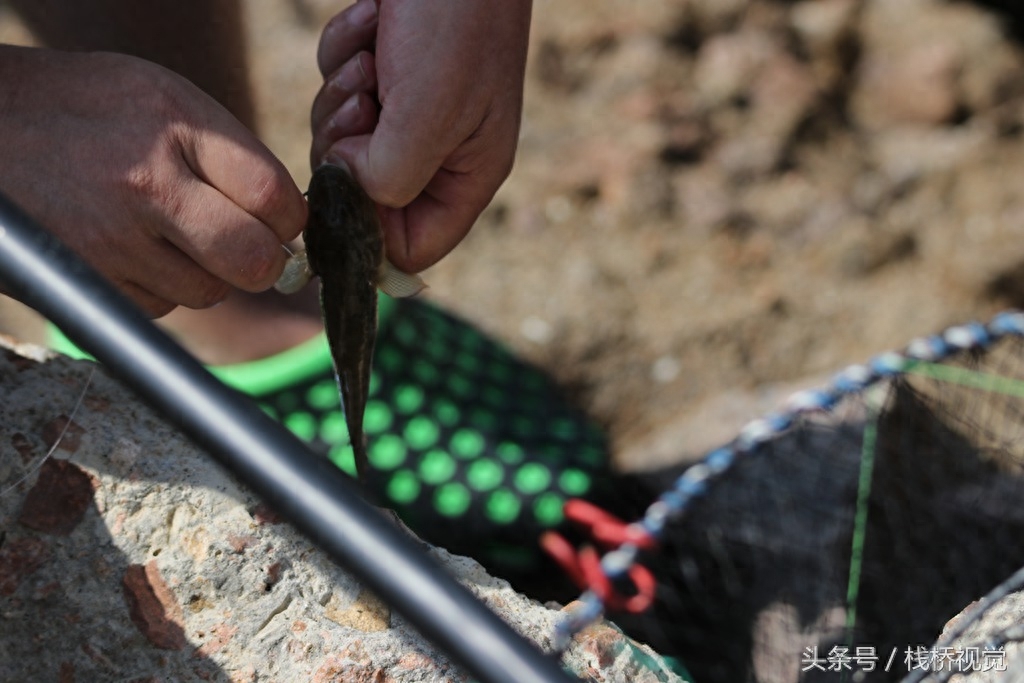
(989, 650)
(782, 96)
(976, 657)
(713, 16)
(827, 33)
(906, 154)
(914, 86)
(710, 424)
(821, 24)
(704, 200)
(781, 204)
(771, 92)
(142, 559)
(728, 63)
(926, 62)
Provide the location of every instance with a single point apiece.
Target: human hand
(448, 78)
(145, 176)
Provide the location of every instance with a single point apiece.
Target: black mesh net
(839, 548)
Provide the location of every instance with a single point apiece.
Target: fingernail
(351, 77)
(346, 116)
(363, 13)
(334, 159)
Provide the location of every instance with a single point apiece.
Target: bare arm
(202, 40)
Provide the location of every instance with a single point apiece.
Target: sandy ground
(713, 200)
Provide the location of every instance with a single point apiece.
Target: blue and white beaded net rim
(694, 482)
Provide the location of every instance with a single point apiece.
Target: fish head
(343, 231)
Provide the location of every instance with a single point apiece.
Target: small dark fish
(345, 249)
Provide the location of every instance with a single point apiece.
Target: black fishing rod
(304, 488)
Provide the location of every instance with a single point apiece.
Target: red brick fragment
(605, 644)
(152, 606)
(264, 514)
(20, 557)
(241, 543)
(59, 499)
(22, 445)
(97, 656)
(63, 432)
(48, 589)
(97, 403)
(414, 661)
(220, 635)
(273, 575)
(337, 670)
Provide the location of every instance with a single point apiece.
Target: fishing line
(60, 437)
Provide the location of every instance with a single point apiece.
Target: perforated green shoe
(476, 450)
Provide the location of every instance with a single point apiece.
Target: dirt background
(718, 200)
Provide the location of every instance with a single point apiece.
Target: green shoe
(476, 450)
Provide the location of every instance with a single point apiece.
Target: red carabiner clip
(605, 528)
(584, 567)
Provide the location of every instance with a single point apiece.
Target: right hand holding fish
(448, 78)
(144, 175)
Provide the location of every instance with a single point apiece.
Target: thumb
(394, 163)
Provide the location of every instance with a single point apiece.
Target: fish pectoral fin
(295, 275)
(397, 284)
